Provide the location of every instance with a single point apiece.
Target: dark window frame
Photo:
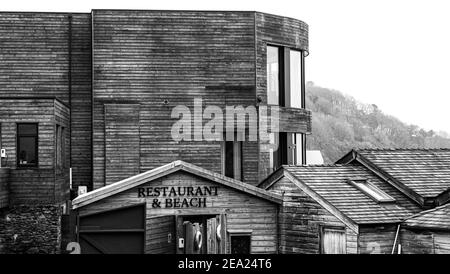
(240, 234)
(237, 167)
(36, 148)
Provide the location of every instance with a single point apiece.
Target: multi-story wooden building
(87, 100)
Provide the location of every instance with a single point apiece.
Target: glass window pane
(296, 79)
(299, 148)
(274, 152)
(27, 150)
(27, 129)
(273, 75)
(229, 161)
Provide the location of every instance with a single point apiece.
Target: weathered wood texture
(280, 31)
(4, 187)
(420, 241)
(147, 57)
(34, 62)
(377, 239)
(41, 184)
(121, 141)
(258, 215)
(158, 241)
(301, 219)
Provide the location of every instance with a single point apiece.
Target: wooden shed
(337, 209)
(427, 232)
(178, 208)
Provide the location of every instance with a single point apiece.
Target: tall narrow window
(278, 155)
(232, 159)
(273, 75)
(295, 153)
(296, 81)
(27, 145)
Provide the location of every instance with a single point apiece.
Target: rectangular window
(27, 145)
(273, 75)
(372, 191)
(240, 244)
(333, 241)
(295, 149)
(232, 159)
(296, 75)
(278, 152)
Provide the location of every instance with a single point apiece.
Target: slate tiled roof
(425, 171)
(436, 218)
(330, 183)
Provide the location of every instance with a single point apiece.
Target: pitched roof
(165, 170)
(436, 218)
(330, 183)
(424, 171)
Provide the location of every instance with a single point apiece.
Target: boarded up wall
(122, 141)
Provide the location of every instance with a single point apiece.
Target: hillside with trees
(341, 123)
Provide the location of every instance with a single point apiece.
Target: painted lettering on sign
(178, 197)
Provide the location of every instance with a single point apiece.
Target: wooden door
(161, 238)
(119, 231)
(333, 241)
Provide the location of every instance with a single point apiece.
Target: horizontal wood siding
(424, 241)
(301, 219)
(280, 31)
(162, 59)
(122, 141)
(377, 239)
(62, 180)
(416, 241)
(257, 215)
(81, 120)
(34, 62)
(32, 184)
(4, 187)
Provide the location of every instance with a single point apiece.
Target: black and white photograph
(237, 128)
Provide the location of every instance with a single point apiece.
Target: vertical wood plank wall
(34, 62)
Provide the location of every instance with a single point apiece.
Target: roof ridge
(404, 148)
(428, 211)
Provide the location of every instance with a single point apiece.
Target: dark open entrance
(201, 234)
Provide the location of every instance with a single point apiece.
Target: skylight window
(371, 190)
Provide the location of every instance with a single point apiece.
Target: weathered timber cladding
(148, 57)
(34, 62)
(41, 184)
(424, 241)
(376, 239)
(280, 31)
(4, 187)
(81, 101)
(301, 219)
(258, 215)
(122, 141)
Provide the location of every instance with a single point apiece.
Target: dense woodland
(341, 123)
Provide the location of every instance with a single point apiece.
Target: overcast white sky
(395, 54)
